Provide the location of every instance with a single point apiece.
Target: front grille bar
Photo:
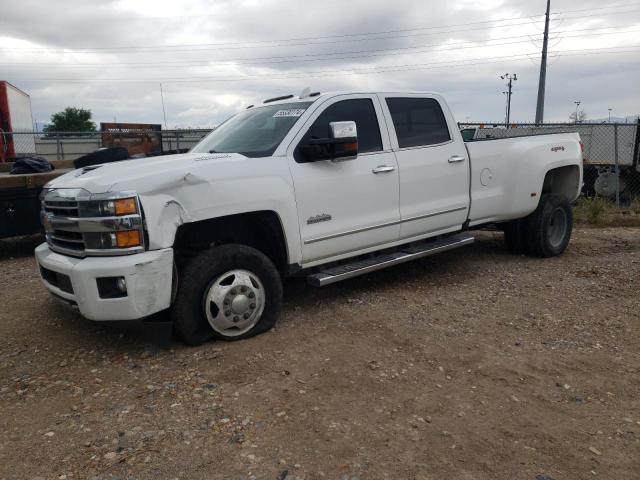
(66, 239)
(95, 224)
(59, 206)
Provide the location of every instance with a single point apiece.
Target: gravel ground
(474, 364)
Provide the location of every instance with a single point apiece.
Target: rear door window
(418, 121)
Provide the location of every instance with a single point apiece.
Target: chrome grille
(64, 240)
(64, 208)
(68, 240)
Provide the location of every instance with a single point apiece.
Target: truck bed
(598, 140)
(507, 174)
(20, 198)
(29, 180)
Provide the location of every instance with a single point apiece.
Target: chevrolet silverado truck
(328, 186)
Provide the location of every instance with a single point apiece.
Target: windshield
(256, 132)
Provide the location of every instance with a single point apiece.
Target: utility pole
(164, 113)
(543, 69)
(511, 78)
(609, 114)
(577, 102)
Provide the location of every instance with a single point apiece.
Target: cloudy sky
(218, 56)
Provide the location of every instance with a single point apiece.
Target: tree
(582, 116)
(71, 119)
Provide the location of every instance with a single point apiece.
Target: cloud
(216, 58)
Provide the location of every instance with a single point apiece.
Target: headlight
(109, 208)
(113, 240)
(121, 206)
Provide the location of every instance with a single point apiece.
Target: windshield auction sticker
(294, 112)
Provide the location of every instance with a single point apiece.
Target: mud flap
(158, 329)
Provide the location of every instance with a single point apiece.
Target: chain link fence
(611, 150)
(611, 154)
(71, 145)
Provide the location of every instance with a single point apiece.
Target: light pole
(164, 112)
(577, 102)
(609, 114)
(511, 78)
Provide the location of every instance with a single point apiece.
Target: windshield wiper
(212, 151)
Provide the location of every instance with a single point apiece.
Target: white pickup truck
(324, 185)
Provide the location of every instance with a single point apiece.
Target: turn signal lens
(125, 206)
(128, 238)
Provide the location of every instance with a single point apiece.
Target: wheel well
(563, 180)
(261, 230)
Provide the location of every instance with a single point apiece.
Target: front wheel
(228, 292)
(548, 228)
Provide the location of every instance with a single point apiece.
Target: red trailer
(15, 116)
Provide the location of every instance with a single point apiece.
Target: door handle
(456, 159)
(383, 169)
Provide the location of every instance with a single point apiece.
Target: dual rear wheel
(544, 233)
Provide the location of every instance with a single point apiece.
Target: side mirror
(341, 146)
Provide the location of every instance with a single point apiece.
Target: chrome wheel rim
(557, 227)
(233, 303)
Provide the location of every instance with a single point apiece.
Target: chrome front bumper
(148, 278)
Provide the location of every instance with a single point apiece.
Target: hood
(145, 175)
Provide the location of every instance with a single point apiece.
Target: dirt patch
(473, 364)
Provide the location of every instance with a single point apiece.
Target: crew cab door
(433, 164)
(350, 205)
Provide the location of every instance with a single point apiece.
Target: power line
(602, 14)
(203, 15)
(621, 5)
(295, 39)
(245, 45)
(321, 73)
(344, 38)
(345, 55)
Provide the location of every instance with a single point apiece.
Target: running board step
(403, 254)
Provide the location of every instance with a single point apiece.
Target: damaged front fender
(163, 217)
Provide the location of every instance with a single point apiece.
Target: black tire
(514, 236)
(201, 272)
(548, 228)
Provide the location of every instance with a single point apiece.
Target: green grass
(598, 211)
(592, 210)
